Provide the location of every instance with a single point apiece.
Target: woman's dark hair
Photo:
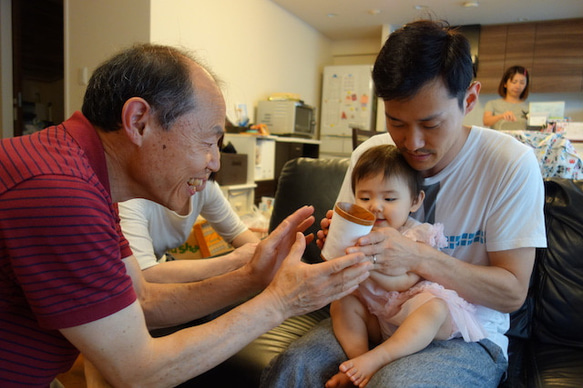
(508, 75)
(421, 52)
(387, 160)
(158, 74)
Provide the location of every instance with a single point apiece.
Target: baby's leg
(352, 324)
(429, 321)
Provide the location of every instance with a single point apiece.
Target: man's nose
(414, 140)
(214, 162)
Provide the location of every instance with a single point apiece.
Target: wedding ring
(374, 259)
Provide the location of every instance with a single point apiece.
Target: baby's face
(388, 199)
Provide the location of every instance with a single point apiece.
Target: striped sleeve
(65, 250)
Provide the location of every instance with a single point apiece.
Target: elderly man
(152, 118)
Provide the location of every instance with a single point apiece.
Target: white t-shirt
(489, 198)
(152, 229)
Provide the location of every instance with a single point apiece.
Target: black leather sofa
(546, 335)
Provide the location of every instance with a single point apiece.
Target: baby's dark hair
(387, 160)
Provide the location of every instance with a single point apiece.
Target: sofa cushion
(307, 181)
(558, 312)
(551, 365)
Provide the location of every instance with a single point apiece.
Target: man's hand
(300, 288)
(270, 252)
(395, 254)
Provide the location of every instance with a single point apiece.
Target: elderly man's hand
(299, 288)
(270, 252)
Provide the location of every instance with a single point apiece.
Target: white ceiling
(356, 19)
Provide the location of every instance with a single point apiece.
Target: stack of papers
(574, 131)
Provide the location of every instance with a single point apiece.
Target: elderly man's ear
(135, 116)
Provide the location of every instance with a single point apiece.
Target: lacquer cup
(348, 224)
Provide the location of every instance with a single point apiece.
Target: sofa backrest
(558, 288)
(308, 181)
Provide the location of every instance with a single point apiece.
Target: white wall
(254, 46)
(94, 30)
(355, 51)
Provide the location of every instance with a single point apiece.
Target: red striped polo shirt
(61, 248)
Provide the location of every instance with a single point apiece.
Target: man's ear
(417, 202)
(471, 98)
(135, 116)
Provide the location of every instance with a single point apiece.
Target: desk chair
(359, 135)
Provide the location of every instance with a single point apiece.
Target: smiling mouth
(194, 185)
(194, 182)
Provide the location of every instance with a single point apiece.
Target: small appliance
(287, 118)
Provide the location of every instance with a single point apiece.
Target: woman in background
(509, 112)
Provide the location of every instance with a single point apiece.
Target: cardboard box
(190, 249)
(202, 242)
(233, 169)
(209, 241)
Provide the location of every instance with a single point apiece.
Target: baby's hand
(325, 225)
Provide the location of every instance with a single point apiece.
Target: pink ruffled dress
(392, 307)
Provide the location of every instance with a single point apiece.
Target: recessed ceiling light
(469, 4)
(374, 11)
(420, 7)
(331, 15)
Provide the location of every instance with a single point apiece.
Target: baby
(400, 314)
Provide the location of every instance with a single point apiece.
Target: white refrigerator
(347, 99)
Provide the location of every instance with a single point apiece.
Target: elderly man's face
(183, 157)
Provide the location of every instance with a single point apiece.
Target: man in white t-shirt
(483, 186)
(152, 230)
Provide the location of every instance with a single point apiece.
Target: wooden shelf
(552, 51)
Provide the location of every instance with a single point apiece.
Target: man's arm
(502, 285)
(195, 270)
(171, 304)
(245, 238)
(182, 271)
(297, 288)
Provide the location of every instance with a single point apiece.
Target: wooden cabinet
(491, 55)
(552, 51)
(520, 43)
(558, 57)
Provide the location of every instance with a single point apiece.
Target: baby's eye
(390, 199)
